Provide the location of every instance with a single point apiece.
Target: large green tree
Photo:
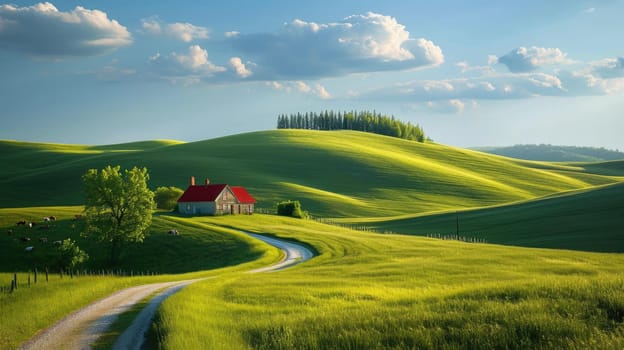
(118, 206)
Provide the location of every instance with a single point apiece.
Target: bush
(70, 255)
(292, 209)
(167, 197)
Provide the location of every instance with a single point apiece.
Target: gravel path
(83, 327)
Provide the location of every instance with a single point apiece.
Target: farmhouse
(215, 199)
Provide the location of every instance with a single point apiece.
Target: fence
(32, 277)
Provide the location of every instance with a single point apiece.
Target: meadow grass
(368, 291)
(333, 174)
(589, 220)
(207, 249)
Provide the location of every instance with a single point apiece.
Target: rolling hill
(552, 153)
(333, 174)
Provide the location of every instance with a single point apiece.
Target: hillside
(334, 174)
(582, 220)
(551, 153)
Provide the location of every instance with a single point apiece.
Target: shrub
(167, 197)
(70, 255)
(292, 209)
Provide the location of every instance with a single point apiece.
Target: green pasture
(199, 251)
(369, 291)
(591, 220)
(333, 174)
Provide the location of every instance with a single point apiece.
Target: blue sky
(478, 73)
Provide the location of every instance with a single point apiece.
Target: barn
(215, 199)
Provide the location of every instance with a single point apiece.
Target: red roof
(242, 195)
(202, 193)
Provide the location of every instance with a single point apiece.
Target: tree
(118, 207)
(291, 208)
(70, 255)
(167, 197)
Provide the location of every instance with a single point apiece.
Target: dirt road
(83, 327)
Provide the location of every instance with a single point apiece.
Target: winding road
(82, 328)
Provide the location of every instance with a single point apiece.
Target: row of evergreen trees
(361, 121)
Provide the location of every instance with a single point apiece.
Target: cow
(28, 249)
(10, 232)
(57, 242)
(52, 218)
(46, 219)
(77, 217)
(25, 239)
(32, 224)
(21, 223)
(43, 239)
(173, 232)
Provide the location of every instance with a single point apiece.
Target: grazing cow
(43, 239)
(10, 232)
(21, 223)
(46, 219)
(25, 239)
(52, 218)
(28, 249)
(173, 232)
(57, 242)
(77, 217)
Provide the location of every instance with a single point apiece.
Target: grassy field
(371, 175)
(364, 290)
(369, 291)
(207, 250)
(590, 220)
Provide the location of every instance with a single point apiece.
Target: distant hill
(332, 173)
(550, 153)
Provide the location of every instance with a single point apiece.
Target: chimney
(207, 182)
(192, 180)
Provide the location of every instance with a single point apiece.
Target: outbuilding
(215, 199)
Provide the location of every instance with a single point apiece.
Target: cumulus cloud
(524, 59)
(190, 67)
(43, 30)
(608, 68)
(239, 67)
(316, 90)
(359, 43)
(185, 32)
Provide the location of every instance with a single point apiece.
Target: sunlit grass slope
(195, 249)
(333, 174)
(591, 220)
(370, 291)
(199, 251)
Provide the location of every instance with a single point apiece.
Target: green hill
(333, 174)
(582, 220)
(551, 153)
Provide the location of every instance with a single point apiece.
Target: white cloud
(43, 30)
(190, 67)
(240, 68)
(197, 59)
(359, 43)
(608, 67)
(316, 90)
(529, 59)
(231, 34)
(589, 10)
(185, 32)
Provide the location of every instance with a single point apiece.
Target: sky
(471, 73)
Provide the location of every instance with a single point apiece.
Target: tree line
(366, 121)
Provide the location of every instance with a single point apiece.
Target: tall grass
(367, 291)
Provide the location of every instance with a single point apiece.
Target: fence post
(15, 279)
(46, 269)
(35, 275)
(28, 279)
(12, 286)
